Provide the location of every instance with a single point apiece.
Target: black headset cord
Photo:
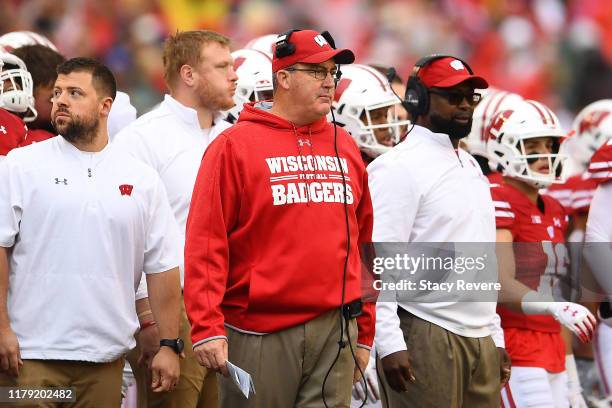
(341, 342)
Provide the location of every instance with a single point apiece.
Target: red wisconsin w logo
(126, 189)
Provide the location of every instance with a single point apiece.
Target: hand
(10, 357)
(504, 366)
(576, 318)
(576, 400)
(371, 378)
(213, 355)
(148, 341)
(398, 370)
(362, 356)
(165, 370)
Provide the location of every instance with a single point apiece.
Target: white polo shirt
(82, 227)
(425, 191)
(170, 140)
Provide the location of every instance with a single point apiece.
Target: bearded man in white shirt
(79, 222)
(172, 138)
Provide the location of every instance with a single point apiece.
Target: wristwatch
(175, 344)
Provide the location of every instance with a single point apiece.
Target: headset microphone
(406, 104)
(391, 75)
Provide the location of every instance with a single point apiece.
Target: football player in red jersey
(41, 62)
(599, 256)
(15, 99)
(524, 145)
(591, 128)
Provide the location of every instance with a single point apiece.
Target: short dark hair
(101, 76)
(41, 62)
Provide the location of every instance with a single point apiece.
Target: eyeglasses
(319, 74)
(455, 98)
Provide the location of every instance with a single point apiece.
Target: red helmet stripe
(537, 108)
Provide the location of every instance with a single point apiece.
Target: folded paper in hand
(242, 379)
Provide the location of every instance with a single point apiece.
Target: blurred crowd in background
(555, 51)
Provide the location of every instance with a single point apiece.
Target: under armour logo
(319, 39)
(574, 313)
(557, 222)
(303, 142)
(566, 308)
(457, 65)
(64, 181)
(3, 130)
(126, 189)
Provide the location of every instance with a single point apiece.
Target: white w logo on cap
(320, 40)
(457, 65)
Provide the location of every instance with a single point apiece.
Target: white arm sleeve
(395, 203)
(141, 292)
(497, 332)
(162, 245)
(10, 204)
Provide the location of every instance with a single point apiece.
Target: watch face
(180, 345)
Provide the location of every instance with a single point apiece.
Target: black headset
(285, 48)
(416, 98)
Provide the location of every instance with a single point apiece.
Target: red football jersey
(601, 163)
(541, 260)
(13, 131)
(35, 136)
(575, 194)
(495, 178)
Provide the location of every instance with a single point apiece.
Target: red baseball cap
(310, 47)
(448, 72)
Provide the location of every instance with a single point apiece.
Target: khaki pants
(451, 371)
(288, 367)
(95, 384)
(197, 387)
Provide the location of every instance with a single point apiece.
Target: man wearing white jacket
(172, 138)
(427, 190)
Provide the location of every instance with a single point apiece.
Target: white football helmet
(493, 100)
(508, 131)
(17, 39)
(361, 90)
(592, 127)
(16, 87)
(254, 71)
(263, 43)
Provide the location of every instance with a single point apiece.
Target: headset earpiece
(416, 99)
(283, 47)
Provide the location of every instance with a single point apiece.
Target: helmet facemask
(512, 130)
(367, 119)
(16, 88)
(360, 96)
(520, 166)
